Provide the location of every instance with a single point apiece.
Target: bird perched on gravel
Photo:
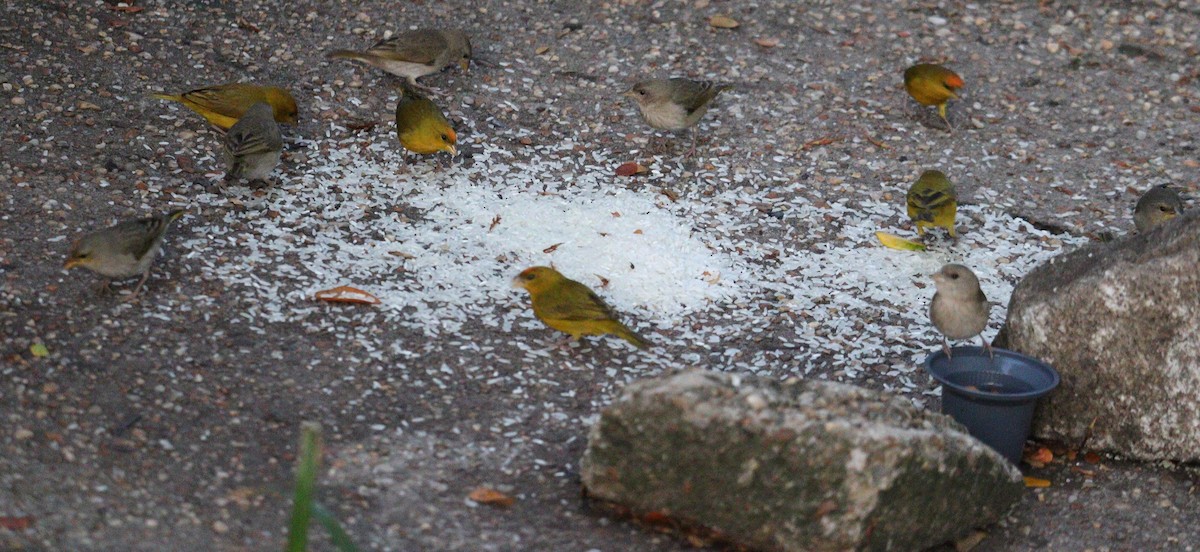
(225, 104)
(932, 202)
(959, 309)
(675, 104)
(1158, 205)
(421, 126)
(124, 250)
(414, 54)
(932, 84)
(254, 145)
(569, 306)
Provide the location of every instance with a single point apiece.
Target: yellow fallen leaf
(896, 242)
(1035, 483)
(541, 50)
(723, 22)
(347, 294)
(491, 497)
(39, 350)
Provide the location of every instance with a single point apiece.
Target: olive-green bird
(932, 84)
(933, 202)
(224, 104)
(414, 54)
(569, 306)
(675, 104)
(421, 126)
(1158, 205)
(124, 250)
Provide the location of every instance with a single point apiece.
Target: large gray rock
(1121, 323)
(798, 466)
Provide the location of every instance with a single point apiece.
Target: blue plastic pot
(994, 398)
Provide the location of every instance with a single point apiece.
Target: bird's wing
(930, 195)
(419, 47)
(576, 302)
(259, 137)
(216, 99)
(696, 94)
(137, 237)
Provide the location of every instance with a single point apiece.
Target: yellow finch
(1158, 205)
(124, 250)
(569, 306)
(932, 202)
(414, 54)
(959, 309)
(932, 84)
(421, 126)
(224, 104)
(674, 104)
(254, 145)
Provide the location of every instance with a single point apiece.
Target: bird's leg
(692, 150)
(105, 287)
(946, 347)
(942, 112)
(987, 347)
(138, 288)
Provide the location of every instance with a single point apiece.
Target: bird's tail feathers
(168, 97)
(346, 54)
(627, 334)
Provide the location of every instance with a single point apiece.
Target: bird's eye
(530, 276)
(445, 138)
(641, 92)
(953, 275)
(1164, 208)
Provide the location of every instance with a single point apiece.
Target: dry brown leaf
(1040, 456)
(723, 22)
(968, 542)
(631, 168)
(1091, 458)
(1083, 472)
(818, 142)
(616, 214)
(347, 294)
(638, 231)
(603, 281)
(767, 42)
(1036, 483)
(491, 497)
(127, 9)
(495, 221)
(552, 248)
(16, 523)
(541, 50)
(824, 508)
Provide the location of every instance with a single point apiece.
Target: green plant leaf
(306, 477)
(341, 539)
(39, 350)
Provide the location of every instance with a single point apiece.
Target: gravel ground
(171, 423)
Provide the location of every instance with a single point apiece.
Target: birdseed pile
(699, 273)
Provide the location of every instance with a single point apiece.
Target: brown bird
(932, 84)
(569, 306)
(124, 250)
(414, 54)
(959, 309)
(675, 104)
